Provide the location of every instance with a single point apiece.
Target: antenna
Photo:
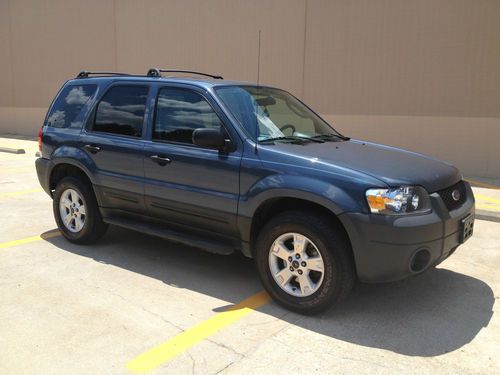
(258, 62)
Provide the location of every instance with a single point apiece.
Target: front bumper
(384, 247)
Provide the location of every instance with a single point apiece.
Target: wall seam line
(115, 44)
(13, 86)
(304, 42)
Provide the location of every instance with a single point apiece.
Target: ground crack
(241, 355)
(159, 316)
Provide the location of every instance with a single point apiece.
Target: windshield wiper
(326, 137)
(286, 138)
(292, 138)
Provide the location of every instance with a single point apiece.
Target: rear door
(186, 184)
(114, 141)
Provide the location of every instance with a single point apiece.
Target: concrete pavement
(92, 309)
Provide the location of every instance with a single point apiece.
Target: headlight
(401, 200)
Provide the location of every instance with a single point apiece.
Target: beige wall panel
(417, 74)
(6, 82)
(54, 39)
(449, 138)
(404, 57)
(21, 120)
(214, 36)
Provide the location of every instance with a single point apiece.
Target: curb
(12, 150)
(488, 215)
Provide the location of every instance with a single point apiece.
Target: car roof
(205, 83)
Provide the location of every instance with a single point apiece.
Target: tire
(324, 241)
(72, 197)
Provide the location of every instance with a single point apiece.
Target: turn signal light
(376, 202)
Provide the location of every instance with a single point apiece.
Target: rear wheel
(76, 212)
(304, 261)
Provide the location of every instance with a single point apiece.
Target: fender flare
(305, 188)
(77, 158)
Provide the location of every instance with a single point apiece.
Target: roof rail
(155, 72)
(85, 74)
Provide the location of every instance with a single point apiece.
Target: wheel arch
(272, 207)
(65, 168)
(73, 161)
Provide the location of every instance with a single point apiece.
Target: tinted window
(121, 111)
(179, 112)
(68, 106)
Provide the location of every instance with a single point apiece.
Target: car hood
(391, 165)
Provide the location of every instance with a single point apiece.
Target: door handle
(91, 148)
(161, 160)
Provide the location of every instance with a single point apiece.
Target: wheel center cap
(295, 264)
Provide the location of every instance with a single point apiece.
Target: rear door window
(68, 105)
(121, 111)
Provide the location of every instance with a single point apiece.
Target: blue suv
(224, 166)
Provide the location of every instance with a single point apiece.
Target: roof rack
(155, 72)
(85, 74)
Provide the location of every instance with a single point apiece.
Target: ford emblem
(455, 195)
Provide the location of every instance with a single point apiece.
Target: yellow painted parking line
(168, 350)
(482, 184)
(488, 199)
(20, 192)
(22, 241)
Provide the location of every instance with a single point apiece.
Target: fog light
(420, 260)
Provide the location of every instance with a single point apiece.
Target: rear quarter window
(66, 109)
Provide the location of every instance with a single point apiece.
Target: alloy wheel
(72, 210)
(296, 264)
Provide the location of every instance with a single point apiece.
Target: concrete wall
(424, 74)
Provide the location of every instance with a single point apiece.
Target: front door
(186, 184)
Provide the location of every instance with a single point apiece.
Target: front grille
(447, 196)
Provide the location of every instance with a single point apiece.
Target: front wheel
(76, 212)
(304, 261)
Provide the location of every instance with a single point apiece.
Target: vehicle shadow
(435, 313)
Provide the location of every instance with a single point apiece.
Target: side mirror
(210, 138)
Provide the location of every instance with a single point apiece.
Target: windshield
(269, 114)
